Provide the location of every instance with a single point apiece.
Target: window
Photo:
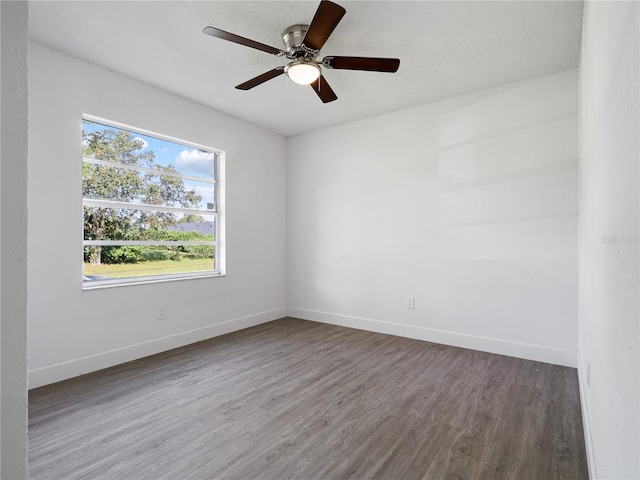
(151, 206)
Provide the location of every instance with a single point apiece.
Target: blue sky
(186, 159)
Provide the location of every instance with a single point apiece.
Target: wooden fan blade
(231, 37)
(324, 91)
(370, 64)
(254, 82)
(324, 22)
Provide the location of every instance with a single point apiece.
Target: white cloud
(145, 144)
(208, 195)
(195, 162)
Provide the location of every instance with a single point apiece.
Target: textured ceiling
(446, 48)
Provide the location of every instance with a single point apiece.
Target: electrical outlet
(410, 302)
(161, 312)
(589, 374)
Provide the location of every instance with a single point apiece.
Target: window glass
(150, 206)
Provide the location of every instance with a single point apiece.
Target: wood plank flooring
(293, 399)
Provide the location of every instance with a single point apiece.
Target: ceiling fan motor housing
(293, 38)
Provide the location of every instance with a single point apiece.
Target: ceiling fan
(302, 44)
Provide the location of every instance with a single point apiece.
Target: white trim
(89, 202)
(220, 236)
(155, 171)
(537, 353)
(88, 285)
(154, 243)
(90, 363)
(586, 423)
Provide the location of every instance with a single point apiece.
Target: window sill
(127, 282)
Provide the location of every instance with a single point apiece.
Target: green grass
(161, 267)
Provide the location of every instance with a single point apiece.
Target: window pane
(102, 262)
(143, 225)
(146, 261)
(100, 182)
(114, 144)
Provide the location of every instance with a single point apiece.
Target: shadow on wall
(508, 169)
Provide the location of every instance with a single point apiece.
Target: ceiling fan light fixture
(302, 72)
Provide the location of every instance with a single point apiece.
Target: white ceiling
(446, 48)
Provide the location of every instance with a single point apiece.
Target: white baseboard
(586, 423)
(537, 353)
(90, 363)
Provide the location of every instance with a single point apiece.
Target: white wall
(71, 331)
(13, 246)
(609, 242)
(468, 204)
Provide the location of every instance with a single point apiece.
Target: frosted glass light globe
(303, 73)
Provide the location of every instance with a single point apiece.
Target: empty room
(320, 240)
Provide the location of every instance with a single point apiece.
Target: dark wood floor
(303, 400)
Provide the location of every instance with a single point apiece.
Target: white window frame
(217, 212)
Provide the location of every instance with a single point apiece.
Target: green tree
(124, 185)
(191, 219)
